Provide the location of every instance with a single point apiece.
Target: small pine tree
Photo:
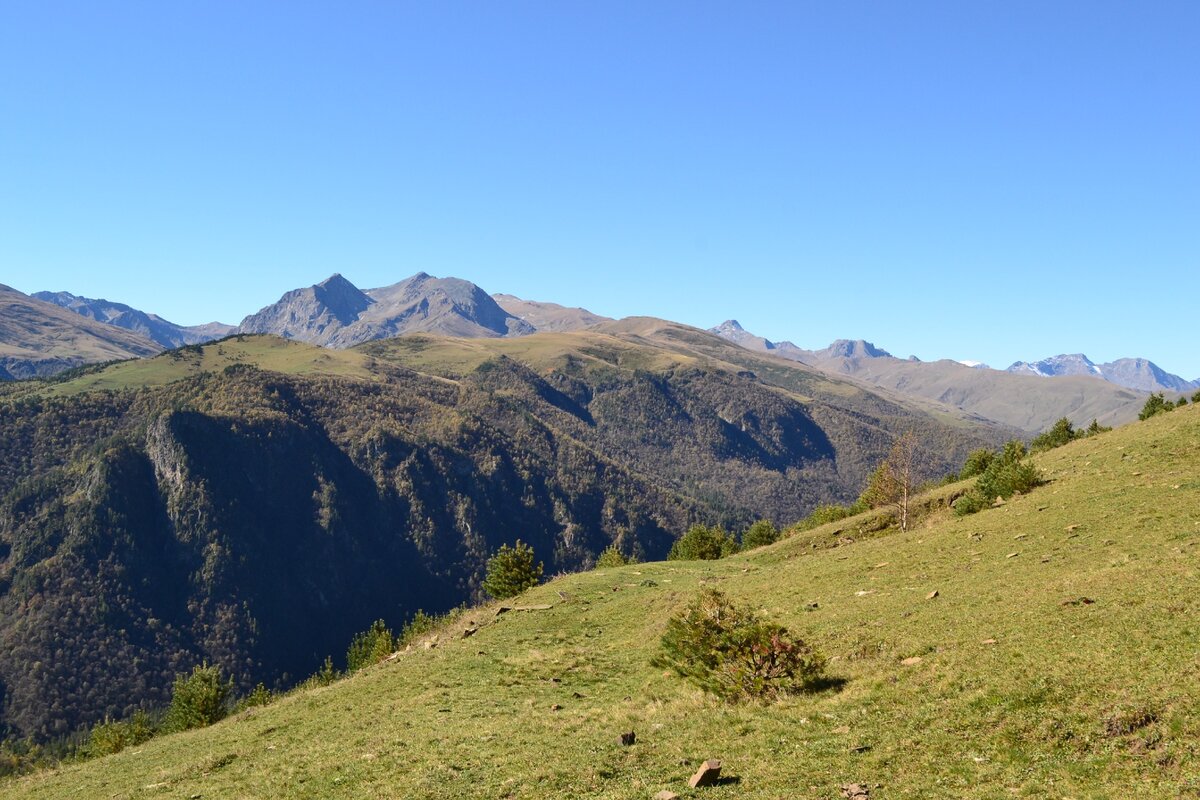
(370, 647)
(326, 675)
(976, 463)
(611, 557)
(1196, 397)
(259, 696)
(1155, 404)
(511, 571)
(1181, 402)
(728, 651)
(762, 532)
(703, 543)
(420, 624)
(1096, 428)
(199, 699)
(1062, 432)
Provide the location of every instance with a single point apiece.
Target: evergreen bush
(731, 653)
(1155, 404)
(371, 646)
(611, 557)
(199, 699)
(511, 571)
(703, 543)
(110, 737)
(762, 532)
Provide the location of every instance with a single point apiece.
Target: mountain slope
(548, 317)
(153, 327)
(336, 313)
(1023, 401)
(38, 339)
(255, 501)
(1057, 659)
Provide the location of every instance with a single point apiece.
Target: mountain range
(1023, 398)
(1133, 373)
(256, 500)
(165, 333)
(336, 313)
(40, 339)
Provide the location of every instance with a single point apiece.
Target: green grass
(1023, 689)
(264, 352)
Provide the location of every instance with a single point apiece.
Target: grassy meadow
(1059, 658)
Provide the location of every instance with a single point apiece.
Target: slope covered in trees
(1043, 647)
(203, 506)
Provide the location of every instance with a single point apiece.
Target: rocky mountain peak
(853, 348)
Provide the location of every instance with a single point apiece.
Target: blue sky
(984, 180)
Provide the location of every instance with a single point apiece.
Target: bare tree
(893, 481)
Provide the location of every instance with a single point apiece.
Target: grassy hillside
(255, 501)
(1058, 660)
(39, 338)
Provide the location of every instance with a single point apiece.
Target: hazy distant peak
(730, 325)
(162, 331)
(1132, 373)
(853, 348)
(1066, 364)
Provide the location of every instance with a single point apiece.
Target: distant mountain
(336, 313)
(1073, 364)
(39, 339)
(1133, 373)
(549, 316)
(731, 330)
(971, 364)
(152, 326)
(1022, 401)
(851, 348)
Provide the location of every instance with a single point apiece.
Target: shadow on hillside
(825, 684)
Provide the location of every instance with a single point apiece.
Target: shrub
(110, 737)
(420, 624)
(827, 513)
(729, 652)
(1062, 432)
(703, 543)
(1155, 404)
(511, 571)
(325, 675)
(370, 647)
(1181, 402)
(970, 503)
(1096, 428)
(1007, 473)
(259, 696)
(199, 699)
(762, 532)
(611, 557)
(976, 463)
(1196, 397)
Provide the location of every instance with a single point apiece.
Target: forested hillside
(203, 505)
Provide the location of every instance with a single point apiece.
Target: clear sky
(973, 180)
